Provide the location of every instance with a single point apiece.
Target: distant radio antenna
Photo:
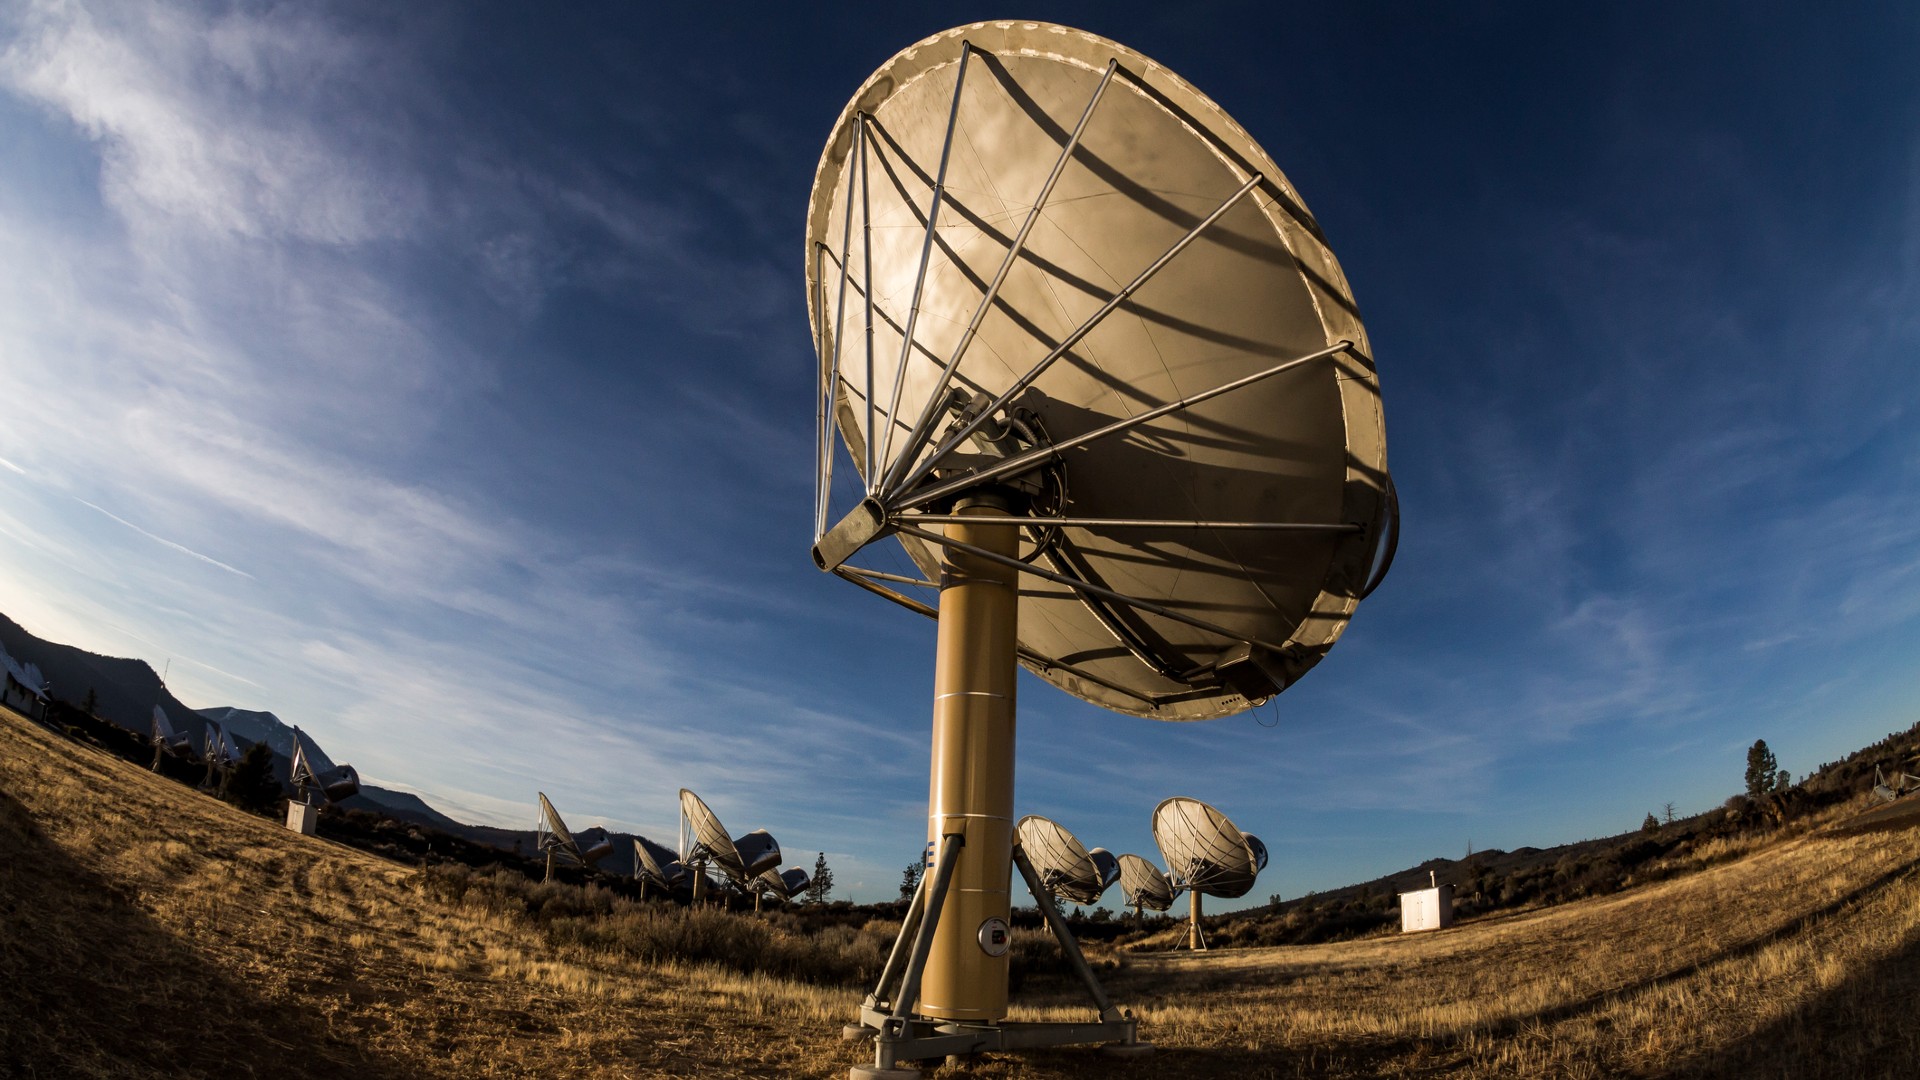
(780, 884)
(169, 741)
(1145, 885)
(1064, 866)
(316, 779)
(657, 866)
(218, 751)
(556, 840)
(706, 846)
(1205, 853)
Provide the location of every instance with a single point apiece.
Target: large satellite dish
(705, 844)
(1099, 375)
(1145, 886)
(1066, 867)
(1110, 252)
(1205, 854)
(552, 836)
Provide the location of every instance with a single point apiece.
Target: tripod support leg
(1068, 945)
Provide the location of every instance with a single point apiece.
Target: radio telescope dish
(1204, 852)
(551, 836)
(1101, 378)
(1121, 317)
(1145, 886)
(657, 865)
(1066, 867)
(313, 769)
(740, 860)
(782, 884)
(216, 751)
(166, 740)
(1205, 855)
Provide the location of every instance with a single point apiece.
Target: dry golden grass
(149, 930)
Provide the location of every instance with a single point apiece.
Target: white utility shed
(303, 818)
(1428, 909)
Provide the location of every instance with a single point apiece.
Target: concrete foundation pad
(875, 1072)
(1126, 1050)
(853, 1032)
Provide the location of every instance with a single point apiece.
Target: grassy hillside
(149, 930)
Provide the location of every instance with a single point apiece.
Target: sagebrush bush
(592, 918)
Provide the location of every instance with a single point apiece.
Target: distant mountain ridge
(126, 690)
(254, 727)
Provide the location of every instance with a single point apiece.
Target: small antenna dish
(1205, 854)
(551, 836)
(780, 884)
(1066, 867)
(705, 845)
(167, 741)
(1145, 885)
(658, 866)
(217, 751)
(1886, 790)
(314, 772)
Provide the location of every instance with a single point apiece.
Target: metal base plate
(920, 1038)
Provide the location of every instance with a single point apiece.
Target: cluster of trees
(1764, 777)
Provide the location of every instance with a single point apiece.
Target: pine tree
(250, 785)
(822, 885)
(910, 880)
(1782, 780)
(91, 703)
(1651, 825)
(1761, 768)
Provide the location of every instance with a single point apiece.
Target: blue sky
(438, 377)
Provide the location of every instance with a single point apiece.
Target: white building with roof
(22, 689)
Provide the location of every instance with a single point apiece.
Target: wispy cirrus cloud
(164, 542)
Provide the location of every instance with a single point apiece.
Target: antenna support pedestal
(900, 1036)
(971, 785)
(944, 989)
